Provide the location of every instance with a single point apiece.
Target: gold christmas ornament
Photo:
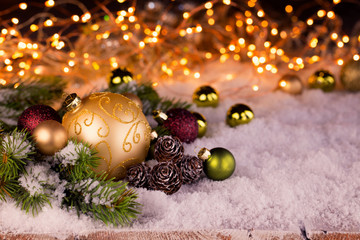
(114, 125)
(206, 96)
(202, 124)
(290, 83)
(134, 98)
(322, 79)
(50, 136)
(350, 76)
(119, 76)
(239, 114)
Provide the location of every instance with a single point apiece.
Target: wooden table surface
(190, 235)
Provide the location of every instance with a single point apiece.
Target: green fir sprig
(15, 150)
(66, 178)
(76, 161)
(17, 96)
(106, 200)
(149, 97)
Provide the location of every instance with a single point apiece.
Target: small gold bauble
(119, 76)
(350, 76)
(115, 127)
(202, 124)
(290, 83)
(322, 79)
(239, 114)
(50, 136)
(206, 96)
(134, 98)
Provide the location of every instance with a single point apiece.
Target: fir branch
(76, 161)
(16, 97)
(37, 187)
(149, 97)
(8, 188)
(15, 151)
(33, 203)
(105, 200)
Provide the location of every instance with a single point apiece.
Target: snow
(297, 165)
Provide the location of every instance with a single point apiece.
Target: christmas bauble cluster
(173, 168)
(111, 123)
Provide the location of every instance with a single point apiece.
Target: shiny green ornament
(239, 114)
(202, 124)
(219, 163)
(350, 76)
(206, 96)
(322, 79)
(119, 76)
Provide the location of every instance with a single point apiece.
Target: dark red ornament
(32, 116)
(182, 124)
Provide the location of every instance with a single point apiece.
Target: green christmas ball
(202, 124)
(219, 163)
(119, 76)
(206, 96)
(239, 114)
(323, 80)
(350, 76)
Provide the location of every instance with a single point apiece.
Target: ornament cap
(154, 135)
(159, 116)
(72, 102)
(204, 154)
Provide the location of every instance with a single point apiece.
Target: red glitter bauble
(182, 123)
(36, 114)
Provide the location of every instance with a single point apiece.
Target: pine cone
(168, 148)
(138, 175)
(191, 168)
(165, 177)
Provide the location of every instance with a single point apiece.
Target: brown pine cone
(168, 148)
(138, 175)
(166, 177)
(191, 168)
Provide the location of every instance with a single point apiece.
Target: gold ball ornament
(239, 114)
(134, 98)
(202, 124)
(322, 79)
(206, 96)
(119, 76)
(350, 76)
(50, 136)
(114, 125)
(290, 83)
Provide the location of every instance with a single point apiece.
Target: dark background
(348, 10)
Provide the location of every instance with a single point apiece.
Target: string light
(321, 13)
(331, 15)
(288, 8)
(266, 48)
(49, 3)
(23, 6)
(260, 13)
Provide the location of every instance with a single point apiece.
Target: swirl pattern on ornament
(120, 113)
(108, 160)
(88, 121)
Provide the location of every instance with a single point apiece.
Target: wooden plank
(188, 235)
